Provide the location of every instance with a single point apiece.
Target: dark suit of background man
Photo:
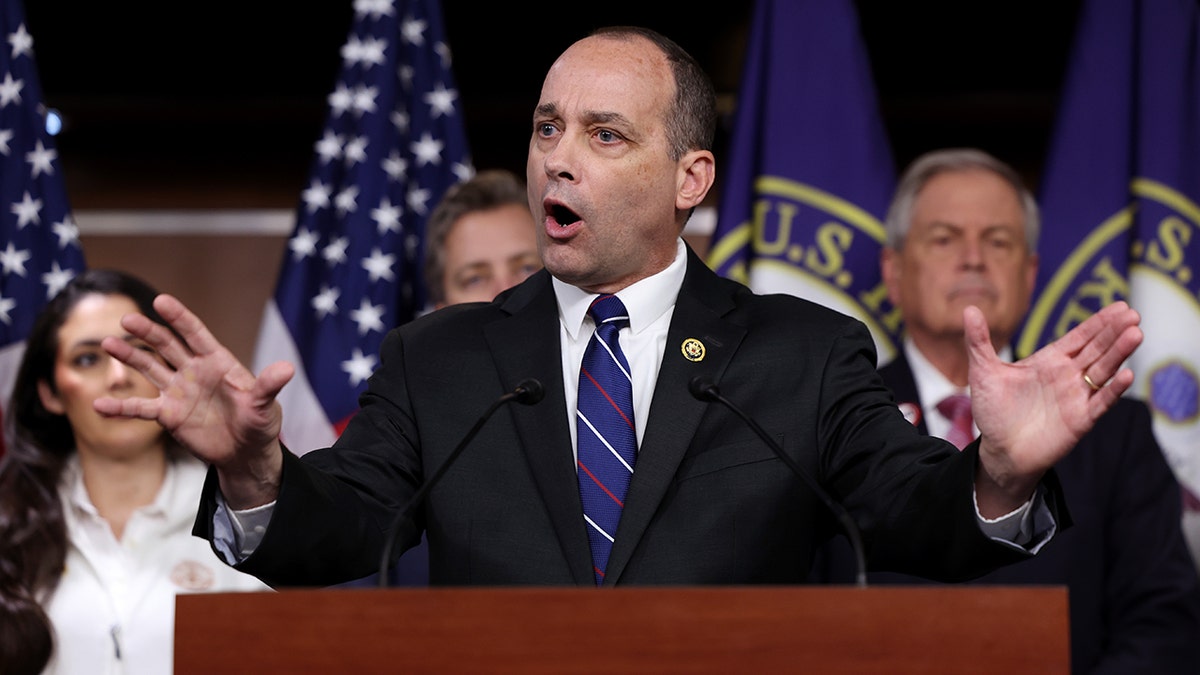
(480, 240)
(963, 229)
(619, 157)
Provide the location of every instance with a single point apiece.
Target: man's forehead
(610, 58)
(605, 87)
(949, 184)
(626, 45)
(969, 190)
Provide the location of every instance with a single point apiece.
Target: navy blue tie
(607, 442)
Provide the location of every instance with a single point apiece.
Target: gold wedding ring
(1093, 385)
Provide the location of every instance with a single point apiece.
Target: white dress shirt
(113, 611)
(650, 304)
(933, 386)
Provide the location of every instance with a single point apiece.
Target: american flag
(39, 242)
(392, 144)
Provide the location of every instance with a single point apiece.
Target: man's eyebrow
(989, 228)
(471, 266)
(589, 116)
(606, 117)
(944, 224)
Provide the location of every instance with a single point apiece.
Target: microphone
(528, 392)
(703, 389)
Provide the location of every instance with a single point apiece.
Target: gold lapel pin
(693, 350)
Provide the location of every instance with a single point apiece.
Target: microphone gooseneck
(704, 390)
(527, 392)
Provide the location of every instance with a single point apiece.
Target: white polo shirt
(114, 609)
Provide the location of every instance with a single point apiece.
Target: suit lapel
(674, 414)
(527, 345)
(897, 376)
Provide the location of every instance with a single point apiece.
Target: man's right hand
(212, 404)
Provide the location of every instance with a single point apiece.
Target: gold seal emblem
(693, 350)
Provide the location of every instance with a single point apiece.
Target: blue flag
(393, 142)
(811, 173)
(39, 242)
(1121, 203)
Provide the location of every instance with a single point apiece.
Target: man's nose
(972, 253)
(560, 161)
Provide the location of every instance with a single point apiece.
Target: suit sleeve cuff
(236, 534)
(1027, 528)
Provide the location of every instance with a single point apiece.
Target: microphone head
(702, 388)
(529, 391)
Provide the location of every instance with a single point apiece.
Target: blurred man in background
(481, 240)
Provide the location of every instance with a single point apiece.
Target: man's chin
(565, 265)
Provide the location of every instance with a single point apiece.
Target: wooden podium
(772, 629)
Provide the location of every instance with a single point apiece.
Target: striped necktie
(607, 442)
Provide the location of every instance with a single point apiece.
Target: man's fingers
(198, 342)
(1098, 333)
(193, 330)
(140, 408)
(138, 359)
(1106, 364)
(1106, 396)
(157, 336)
(271, 381)
(1115, 336)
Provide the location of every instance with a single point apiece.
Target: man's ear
(889, 267)
(50, 400)
(697, 171)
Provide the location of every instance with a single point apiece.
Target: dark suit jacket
(708, 502)
(1134, 598)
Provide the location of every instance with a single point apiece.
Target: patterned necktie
(606, 439)
(957, 409)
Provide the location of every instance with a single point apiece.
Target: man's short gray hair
(925, 167)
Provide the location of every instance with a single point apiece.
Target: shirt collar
(932, 385)
(646, 300)
(77, 495)
(73, 487)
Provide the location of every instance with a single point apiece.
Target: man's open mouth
(562, 215)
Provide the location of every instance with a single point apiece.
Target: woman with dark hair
(95, 512)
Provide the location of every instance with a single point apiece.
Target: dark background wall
(218, 103)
